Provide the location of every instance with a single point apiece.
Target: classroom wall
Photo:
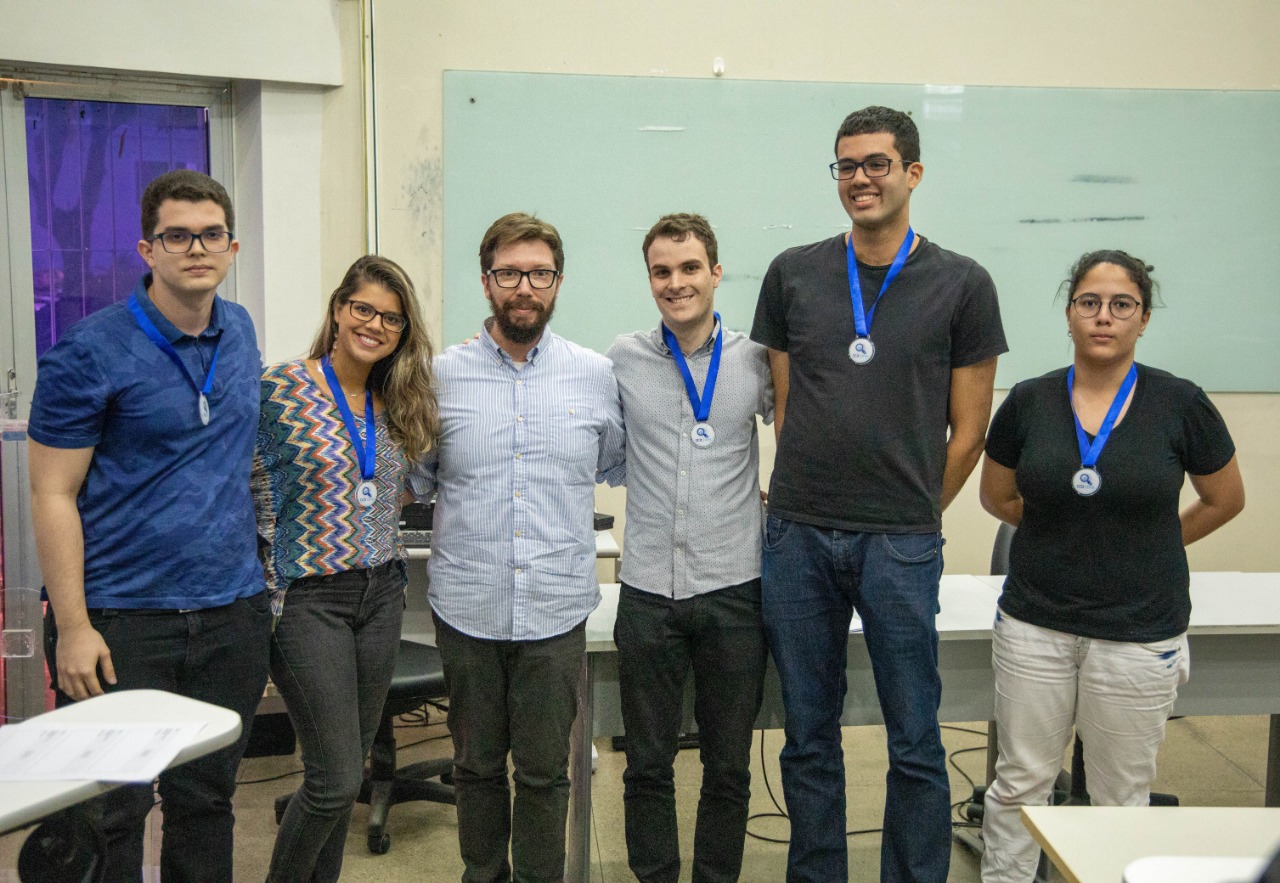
(1096, 43)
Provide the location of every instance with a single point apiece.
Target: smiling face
(193, 274)
(1104, 339)
(521, 313)
(683, 282)
(875, 204)
(365, 342)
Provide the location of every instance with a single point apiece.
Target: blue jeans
(332, 657)
(813, 580)
(218, 655)
(719, 635)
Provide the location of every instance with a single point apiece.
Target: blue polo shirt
(166, 505)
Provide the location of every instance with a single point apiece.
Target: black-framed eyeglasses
(180, 241)
(363, 312)
(1089, 305)
(540, 279)
(876, 167)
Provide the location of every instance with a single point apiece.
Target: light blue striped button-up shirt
(512, 545)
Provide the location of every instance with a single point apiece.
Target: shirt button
(517, 455)
(682, 472)
(680, 512)
(518, 533)
(517, 495)
(519, 382)
(519, 418)
(519, 571)
(571, 411)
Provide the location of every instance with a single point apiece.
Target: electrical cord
(782, 813)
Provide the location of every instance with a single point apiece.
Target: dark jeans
(218, 655)
(518, 697)
(720, 636)
(332, 657)
(813, 580)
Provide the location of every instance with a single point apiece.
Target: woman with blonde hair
(337, 433)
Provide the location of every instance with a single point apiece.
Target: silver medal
(862, 351)
(1086, 482)
(703, 435)
(204, 409)
(366, 493)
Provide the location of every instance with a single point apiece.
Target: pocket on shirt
(572, 435)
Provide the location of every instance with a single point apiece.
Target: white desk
(1094, 844)
(1235, 669)
(25, 802)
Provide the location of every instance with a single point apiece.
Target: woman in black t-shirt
(1087, 463)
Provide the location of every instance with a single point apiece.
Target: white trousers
(1118, 695)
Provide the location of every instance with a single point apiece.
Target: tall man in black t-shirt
(883, 352)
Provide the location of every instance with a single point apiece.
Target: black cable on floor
(782, 814)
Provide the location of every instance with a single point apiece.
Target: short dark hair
(680, 226)
(185, 185)
(1138, 271)
(870, 120)
(519, 227)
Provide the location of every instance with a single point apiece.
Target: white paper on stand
(127, 752)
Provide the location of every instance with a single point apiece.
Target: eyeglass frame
(1107, 302)
(192, 242)
(524, 275)
(835, 167)
(377, 314)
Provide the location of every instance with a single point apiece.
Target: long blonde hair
(402, 379)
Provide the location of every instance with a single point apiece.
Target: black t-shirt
(863, 447)
(1110, 566)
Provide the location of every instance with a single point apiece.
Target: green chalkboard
(1024, 180)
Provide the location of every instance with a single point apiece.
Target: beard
(519, 332)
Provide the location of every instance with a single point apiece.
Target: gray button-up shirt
(693, 514)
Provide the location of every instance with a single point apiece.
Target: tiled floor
(1205, 761)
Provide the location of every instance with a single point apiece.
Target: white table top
(1094, 844)
(25, 802)
(968, 609)
(1226, 603)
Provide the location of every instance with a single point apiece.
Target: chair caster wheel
(379, 843)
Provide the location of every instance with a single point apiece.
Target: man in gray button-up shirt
(691, 391)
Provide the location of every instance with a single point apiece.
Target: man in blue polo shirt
(142, 432)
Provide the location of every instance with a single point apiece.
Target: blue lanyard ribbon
(366, 456)
(863, 318)
(149, 328)
(1089, 453)
(701, 404)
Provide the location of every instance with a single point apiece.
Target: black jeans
(332, 657)
(218, 655)
(720, 636)
(518, 697)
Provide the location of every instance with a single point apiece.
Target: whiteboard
(1024, 180)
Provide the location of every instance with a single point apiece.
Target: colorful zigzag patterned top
(305, 477)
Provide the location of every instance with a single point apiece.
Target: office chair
(67, 847)
(418, 679)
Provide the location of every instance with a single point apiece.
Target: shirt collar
(660, 342)
(491, 345)
(171, 332)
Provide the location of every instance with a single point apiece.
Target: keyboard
(416, 539)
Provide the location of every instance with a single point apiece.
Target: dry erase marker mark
(778, 227)
(1104, 220)
(661, 129)
(1040, 221)
(1103, 179)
